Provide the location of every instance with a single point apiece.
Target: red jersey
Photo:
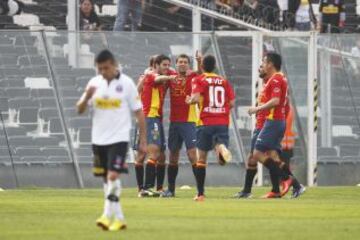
(276, 87)
(261, 115)
(216, 95)
(152, 96)
(180, 111)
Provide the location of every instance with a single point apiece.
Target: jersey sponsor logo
(107, 104)
(276, 90)
(331, 9)
(178, 91)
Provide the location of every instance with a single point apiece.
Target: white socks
(107, 203)
(113, 208)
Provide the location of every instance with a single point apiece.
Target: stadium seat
(83, 151)
(17, 103)
(31, 159)
(84, 135)
(42, 92)
(55, 126)
(18, 91)
(37, 82)
(79, 122)
(47, 102)
(327, 152)
(26, 20)
(52, 151)
(349, 150)
(28, 151)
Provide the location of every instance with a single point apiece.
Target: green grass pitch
(321, 214)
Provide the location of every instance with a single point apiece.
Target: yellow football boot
(103, 222)
(117, 225)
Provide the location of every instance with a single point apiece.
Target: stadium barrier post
(312, 111)
(196, 29)
(256, 84)
(61, 111)
(326, 111)
(73, 36)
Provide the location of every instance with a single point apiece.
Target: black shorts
(110, 157)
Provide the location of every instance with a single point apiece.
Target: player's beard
(182, 73)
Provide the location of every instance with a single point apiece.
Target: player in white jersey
(112, 97)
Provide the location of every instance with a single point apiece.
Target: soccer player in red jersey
(268, 142)
(140, 155)
(251, 169)
(152, 97)
(215, 97)
(183, 118)
(252, 162)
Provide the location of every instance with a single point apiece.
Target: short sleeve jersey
(112, 104)
(180, 111)
(216, 94)
(152, 96)
(276, 87)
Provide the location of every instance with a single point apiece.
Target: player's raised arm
(81, 105)
(164, 78)
(198, 58)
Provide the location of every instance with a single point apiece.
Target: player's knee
(252, 163)
(192, 155)
(140, 158)
(202, 157)
(174, 157)
(153, 151)
(112, 176)
(275, 156)
(259, 156)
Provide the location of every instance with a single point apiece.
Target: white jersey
(112, 105)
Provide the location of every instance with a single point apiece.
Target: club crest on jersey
(119, 88)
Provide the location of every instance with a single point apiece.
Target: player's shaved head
(209, 63)
(274, 59)
(104, 56)
(106, 64)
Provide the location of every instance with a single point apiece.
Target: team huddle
(200, 105)
(191, 93)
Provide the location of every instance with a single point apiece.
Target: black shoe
(167, 194)
(298, 192)
(243, 194)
